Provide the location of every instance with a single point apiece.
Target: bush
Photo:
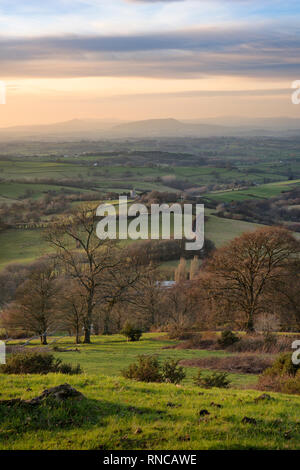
(179, 332)
(171, 372)
(270, 341)
(280, 383)
(131, 332)
(147, 369)
(3, 333)
(64, 368)
(228, 338)
(248, 343)
(283, 365)
(263, 343)
(36, 363)
(30, 363)
(283, 376)
(213, 379)
(204, 340)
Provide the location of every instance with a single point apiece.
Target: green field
(222, 231)
(123, 414)
(107, 355)
(21, 246)
(24, 245)
(258, 192)
(28, 175)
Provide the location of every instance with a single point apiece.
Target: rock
(204, 413)
(59, 393)
(263, 397)
(247, 420)
(133, 409)
(184, 438)
(173, 405)
(216, 405)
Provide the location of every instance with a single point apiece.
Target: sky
(139, 59)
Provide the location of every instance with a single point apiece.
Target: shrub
(36, 363)
(177, 331)
(205, 340)
(131, 332)
(283, 376)
(213, 379)
(228, 338)
(263, 343)
(147, 369)
(194, 342)
(30, 363)
(283, 365)
(3, 333)
(171, 372)
(248, 343)
(270, 341)
(280, 383)
(64, 368)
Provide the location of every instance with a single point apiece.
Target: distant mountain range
(96, 129)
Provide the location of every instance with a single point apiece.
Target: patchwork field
(258, 192)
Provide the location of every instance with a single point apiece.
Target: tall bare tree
(71, 307)
(102, 271)
(34, 306)
(239, 276)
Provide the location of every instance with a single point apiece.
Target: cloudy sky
(136, 59)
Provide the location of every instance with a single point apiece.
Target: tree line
(92, 286)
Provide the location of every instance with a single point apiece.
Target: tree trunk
(87, 335)
(96, 328)
(77, 339)
(250, 323)
(44, 339)
(88, 320)
(106, 329)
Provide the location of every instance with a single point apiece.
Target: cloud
(268, 51)
(208, 94)
(154, 1)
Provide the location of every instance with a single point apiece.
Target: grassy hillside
(221, 231)
(20, 245)
(120, 414)
(108, 355)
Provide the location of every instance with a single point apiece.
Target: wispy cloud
(252, 51)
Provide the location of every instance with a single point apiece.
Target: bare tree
(181, 271)
(101, 269)
(71, 307)
(180, 305)
(239, 276)
(34, 306)
(145, 299)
